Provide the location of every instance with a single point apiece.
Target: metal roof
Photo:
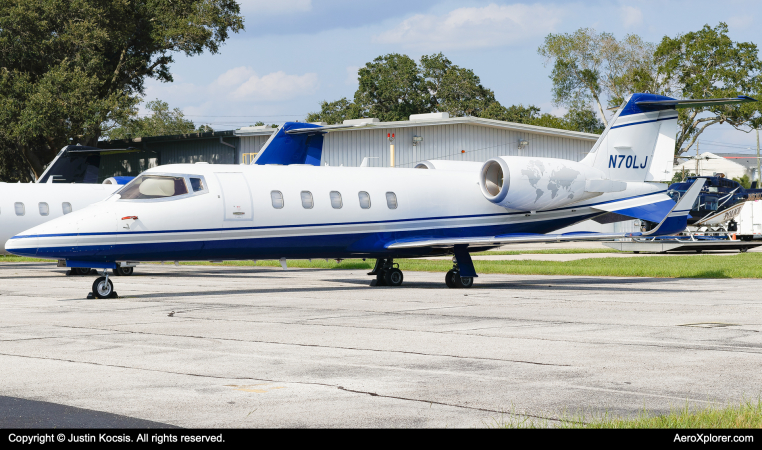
(259, 131)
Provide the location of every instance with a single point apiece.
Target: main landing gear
(119, 271)
(387, 273)
(454, 280)
(462, 273)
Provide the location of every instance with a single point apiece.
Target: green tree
(708, 64)
(70, 69)
(160, 122)
(336, 112)
(591, 67)
(454, 89)
(392, 87)
(575, 119)
(744, 181)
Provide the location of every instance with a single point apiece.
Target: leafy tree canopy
(592, 67)
(744, 181)
(70, 68)
(708, 64)
(160, 122)
(394, 86)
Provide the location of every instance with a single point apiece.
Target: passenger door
(236, 197)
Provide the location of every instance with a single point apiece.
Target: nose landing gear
(386, 273)
(103, 288)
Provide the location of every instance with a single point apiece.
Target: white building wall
(448, 142)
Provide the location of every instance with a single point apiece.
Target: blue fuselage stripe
(645, 121)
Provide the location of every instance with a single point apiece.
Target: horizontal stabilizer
(326, 128)
(679, 104)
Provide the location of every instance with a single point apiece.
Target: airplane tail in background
(285, 148)
(639, 143)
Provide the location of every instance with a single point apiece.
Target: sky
(295, 53)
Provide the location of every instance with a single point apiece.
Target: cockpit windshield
(154, 186)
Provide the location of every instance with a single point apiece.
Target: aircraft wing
(673, 222)
(653, 208)
(486, 241)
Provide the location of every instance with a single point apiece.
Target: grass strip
(747, 414)
(745, 265)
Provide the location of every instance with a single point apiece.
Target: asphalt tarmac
(261, 347)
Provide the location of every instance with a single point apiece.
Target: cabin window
(307, 202)
(336, 200)
(66, 206)
(19, 208)
(364, 200)
(391, 200)
(197, 184)
(154, 186)
(277, 199)
(44, 209)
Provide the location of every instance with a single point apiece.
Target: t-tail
(639, 143)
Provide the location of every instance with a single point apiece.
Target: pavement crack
(434, 402)
(333, 347)
(306, 383)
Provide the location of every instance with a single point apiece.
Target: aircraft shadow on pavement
(22, 413)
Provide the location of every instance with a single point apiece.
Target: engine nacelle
(534, 184)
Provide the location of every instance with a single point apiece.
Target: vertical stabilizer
(639, 143)
(283, 148)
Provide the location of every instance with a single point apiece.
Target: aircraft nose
(22, 245)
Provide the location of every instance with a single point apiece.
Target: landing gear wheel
(393, 277)
(450, 278)
(463, 282)
(123, 271)
(380, 281)
(80, 271)
(103, 288)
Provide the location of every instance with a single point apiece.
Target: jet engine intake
(534, 184)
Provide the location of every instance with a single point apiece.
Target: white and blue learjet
(188, 212)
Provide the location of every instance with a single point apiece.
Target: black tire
(80, 271)
(123, 271)
(380, 281)
(102, 289)
(450, 279)
(463, 282)
(393, 277)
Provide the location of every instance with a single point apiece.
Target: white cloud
(271, 7)
(352, 75)
(631, 16)
(466, 28)
(243, 84)
(740, 22)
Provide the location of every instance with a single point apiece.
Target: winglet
(677, 219)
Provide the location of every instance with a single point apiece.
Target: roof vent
(430, 116)
(360, 121)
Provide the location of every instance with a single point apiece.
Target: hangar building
(425, 136)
